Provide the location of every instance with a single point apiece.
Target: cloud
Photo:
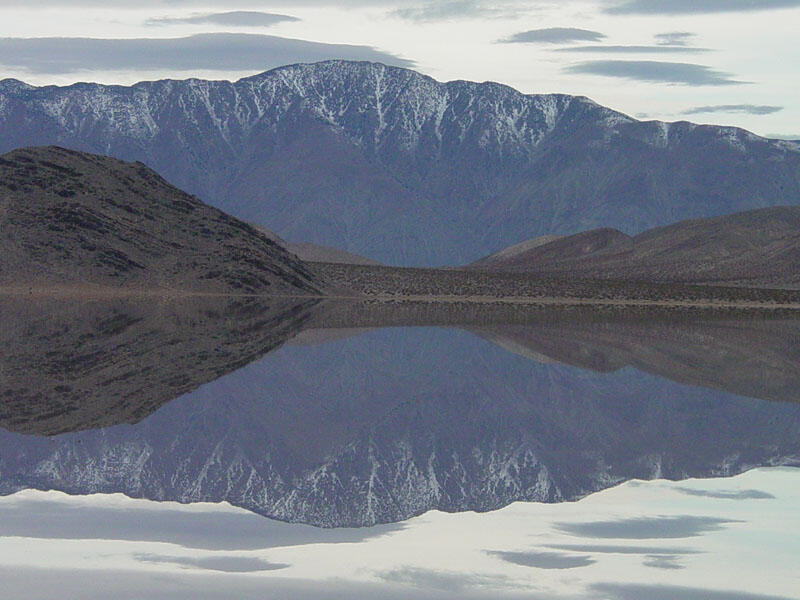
(543, 560)
(655, 71)
(634, 49)
(453, 9)
(793, 137)
(211, 51)
(225, 564)
(659, 561)
(612, 549)
(621, 591)
(673, 38)
(220, 4)
(159, 584)
(646, 527)
(441, 580)
(237, 18)
(684, 7)
(731, 494)
(750, 109)
(239, 530)
(554, 35)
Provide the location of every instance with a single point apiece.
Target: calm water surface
(327, 450)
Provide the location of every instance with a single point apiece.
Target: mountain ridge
(389, 163)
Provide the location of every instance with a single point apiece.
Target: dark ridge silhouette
(758, 248)
(71, 218)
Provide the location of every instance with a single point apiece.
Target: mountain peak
(385, 162)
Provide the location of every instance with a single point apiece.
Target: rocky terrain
(390, 164)
(758, 248)
(498, 285)
(74, 219)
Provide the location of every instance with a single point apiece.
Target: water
(340, 450)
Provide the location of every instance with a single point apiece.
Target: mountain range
(390, 164)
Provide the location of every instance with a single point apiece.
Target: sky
(729, 62)
(732, 538)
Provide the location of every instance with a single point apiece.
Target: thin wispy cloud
(225, 564)
(674, 38)
(454, 9)
(616, 549)
(543, 560)
(792, 137)
(211, 51)
(219, 4)
(623, 591)
(431, 579)
(658, 561)
(599, 49)
(749, 109)
(646, 527)
(236, 18)
(554, 35)
(655, 72)
(679, 7)
(732, 494)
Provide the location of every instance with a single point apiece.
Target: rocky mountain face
(390, 164)
(330, 435)
(757, 248)
(71, 218)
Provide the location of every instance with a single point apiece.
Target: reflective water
(350, 415)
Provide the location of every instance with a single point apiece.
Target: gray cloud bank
(56, 584)
(657, 49)
(731, 494)
(682, 7)
(554, 35)
(236, 18)
(543, 560)
(220, 4)
(224, 564)
(659, 561)
(209, 531)
(443, 10)
(655, 71)
(646, 527)
(750, 109)
(430, 579)
(212, 51)
(613, 591)
(794, 137)
(673, 38)
(614, 549)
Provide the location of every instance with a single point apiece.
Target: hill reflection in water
(377, 412)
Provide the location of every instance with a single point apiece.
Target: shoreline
(83, 292)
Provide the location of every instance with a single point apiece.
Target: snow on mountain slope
(391, 164)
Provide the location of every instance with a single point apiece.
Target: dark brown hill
(596, 244)
(77, 219)
(759, 248)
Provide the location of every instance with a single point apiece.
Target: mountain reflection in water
(371, 413)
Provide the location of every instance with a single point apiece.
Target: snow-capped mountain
(391, 164)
